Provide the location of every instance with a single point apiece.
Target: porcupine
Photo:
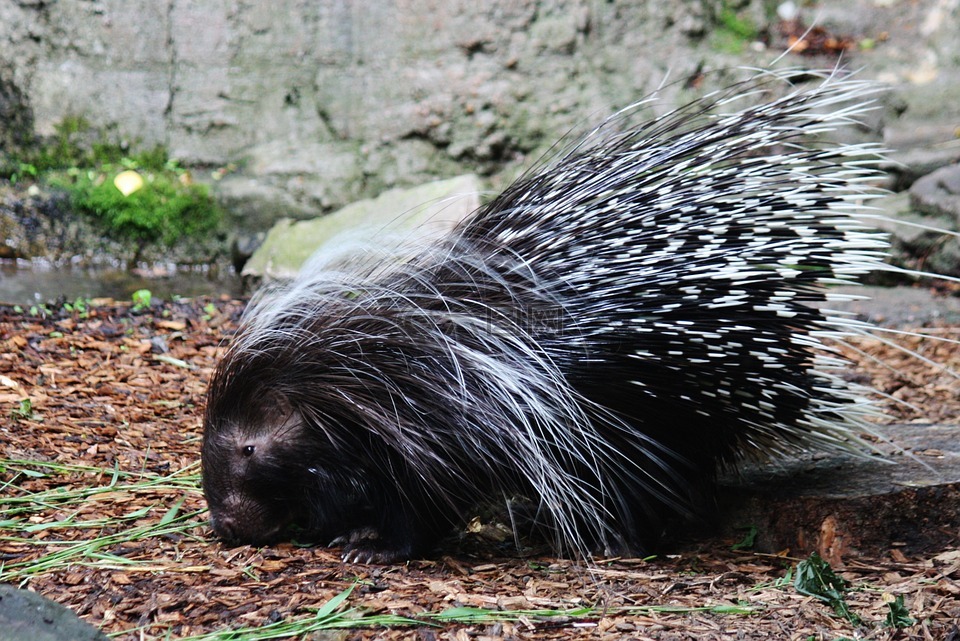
(600, 338)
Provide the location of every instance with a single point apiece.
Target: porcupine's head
(265, 465)
(245, 462)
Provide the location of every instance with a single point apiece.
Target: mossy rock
(423, 211)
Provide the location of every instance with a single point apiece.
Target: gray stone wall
(321, 102)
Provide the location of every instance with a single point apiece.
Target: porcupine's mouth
(228, 530)
(246, 522)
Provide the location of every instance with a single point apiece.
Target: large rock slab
(423, 211)
(845, 504)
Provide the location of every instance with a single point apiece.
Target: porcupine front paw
(365, 545)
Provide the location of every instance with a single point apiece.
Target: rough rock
(917, 242)
(15, 118)
(27, 615)
(920, 146)
(923, 132)
(329, 101)
(938, 194)
(257, 202)
(40, 224)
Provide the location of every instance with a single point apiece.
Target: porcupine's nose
(226, 528)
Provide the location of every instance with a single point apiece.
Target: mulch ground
(115, 390)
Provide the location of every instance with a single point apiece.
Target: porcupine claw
(366, 556)
(364, 545)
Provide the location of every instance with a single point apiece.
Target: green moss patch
(153, 202)
(165, 208)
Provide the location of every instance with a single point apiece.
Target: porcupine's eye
(247, 450)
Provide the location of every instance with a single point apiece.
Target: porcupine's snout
(241, 521)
